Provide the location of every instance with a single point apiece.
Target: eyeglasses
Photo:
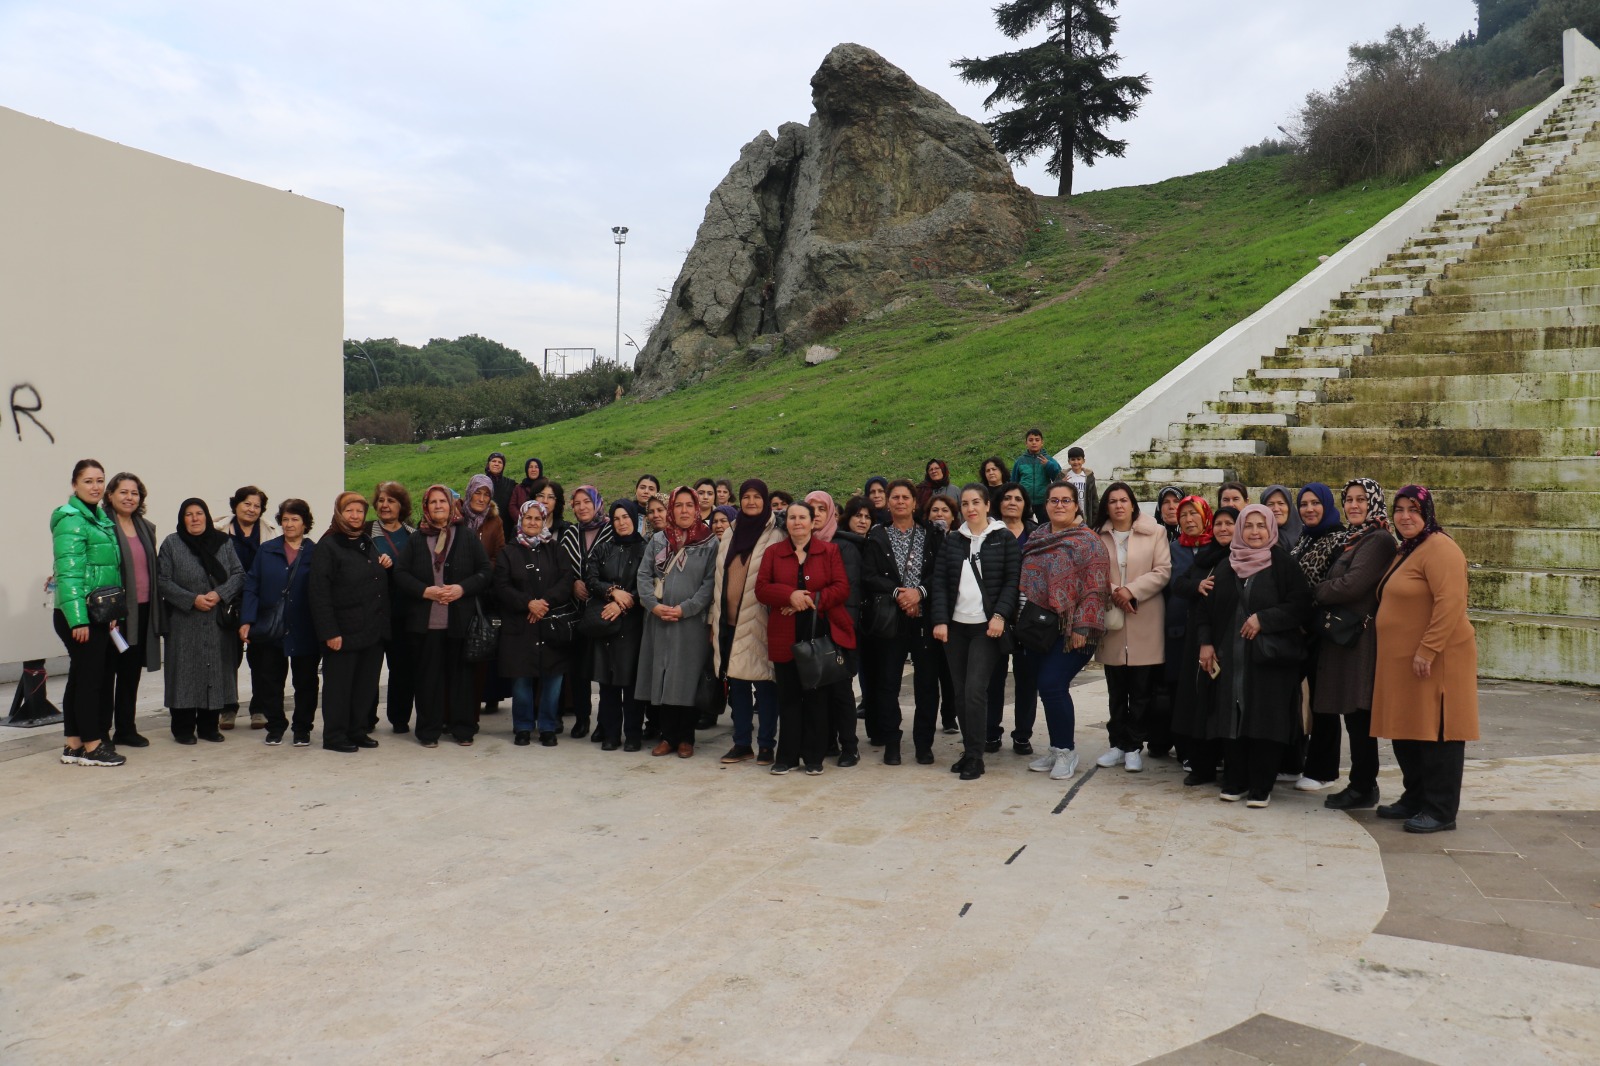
(1058, 501)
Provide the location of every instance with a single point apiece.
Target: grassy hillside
(1116, 288)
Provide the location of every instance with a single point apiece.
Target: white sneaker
(1310, 784)
(1133, 762)
(1112, 757)
(1044, 762)
(1262, 802)
(1066, 764)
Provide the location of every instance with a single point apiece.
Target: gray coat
(675, 654)
(201, 659)
(1344, 675)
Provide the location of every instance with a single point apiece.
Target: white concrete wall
(1211, 370)
(1579, 58)
(166, 320)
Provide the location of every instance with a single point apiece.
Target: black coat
(466, 565)
(349, 592)
(616, 565)
(522, 574)
(1191, 686)
(852, 546)
(1176, 614)
(1251, 698)
(880, 572)
(1000, 568)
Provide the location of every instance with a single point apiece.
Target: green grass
(1154, 272)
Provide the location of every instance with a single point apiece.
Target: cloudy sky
(482, 151)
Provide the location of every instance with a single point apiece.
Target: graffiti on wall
(27, 403)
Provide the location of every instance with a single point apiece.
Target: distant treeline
(468, 385)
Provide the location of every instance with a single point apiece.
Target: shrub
(1269, 146)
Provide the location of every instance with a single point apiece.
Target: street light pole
(619, 234)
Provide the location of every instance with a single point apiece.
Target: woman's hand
(941, 634)
(580, 590)
(1208, 658)
(203, 603)
(80, 634)
(622, 598)
(997, 627)
(537, 609)
(244, 634)
(611, 611)
(910, 601)
(385, 562)
(1123, 598)
(1077, 641)
(452, 593)
(1208, 584)
(668, 614)
(335, 643)
(432, 593)
(1251, 627)
(1422, 668)
(800, 600)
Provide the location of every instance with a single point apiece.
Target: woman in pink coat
(1141, 566)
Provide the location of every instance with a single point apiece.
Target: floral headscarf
(1200, 504)
(600, 519)
(475, 519)
(546, 534)
(1430, 524)
(1377, 516)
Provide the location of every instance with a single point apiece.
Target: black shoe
(764, 757)
(814, 771)
(187, 738)
(401, 729)
(302, 740)
(959, 765)
(215, 738)
(861, 714)
(492, 708)
(523, 738)
(1195, 777)
(547, 738)
(651, 732)
(598, 737)
(779, 769)
(991, 746)
(580, 729)
(925, 756)
(633, 745)
(1350, 799)
(706, 721)
(130, 740)
(274, 737)
(848, 759)
(1022, 747)
(361, 740)
(1397, 811)
(891, 752)
(609, 745)
(973, 770)
(105, 756)
(833, 749)
(737, 754)
(1426, 823)
(345, 749)
(873, 742)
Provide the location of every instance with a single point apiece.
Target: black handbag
(272, 623)
(228, 612)
(709, 693)
(1342, 625)
(1037, 626)
(819, 661)
(483, 635)
(108, 603)
(882, 617)
(1278, 649)
(560, 626)
(596, 628)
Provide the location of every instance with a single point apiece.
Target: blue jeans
(548, 705)
(1057, 668)
(760, 697)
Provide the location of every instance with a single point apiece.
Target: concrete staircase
(1469, 362)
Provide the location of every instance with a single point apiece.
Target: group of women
(1210, 624)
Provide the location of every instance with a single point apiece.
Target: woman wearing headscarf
(482, 515)
(1167, 511)
(676, 579)
(86, 557)
(1321, 540)
(1345, 673)
(935, 482)
(494, 468)
(533, 577)
(528, 487)
(1207, 537)
(841, 698)
(739, 627)
(579, 540)
(1141, 566)
(656, 513)
(612, 577)
(199, 575)
(1281, 502)
(1065, 569)
(440, 577)
(1425, 691)
(876, 491)
(1250, 635)
(350, 607)
(723, 516)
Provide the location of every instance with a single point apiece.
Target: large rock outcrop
(886, 183)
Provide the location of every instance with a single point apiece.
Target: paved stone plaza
(242, 904)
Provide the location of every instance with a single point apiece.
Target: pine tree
(1064, 85)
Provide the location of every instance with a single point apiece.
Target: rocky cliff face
(887, 182)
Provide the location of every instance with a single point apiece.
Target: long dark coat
(1253, 699)
(349, 592)
(522, 574)
(1191, 686)
(268, 582)
(1344, 675)
(674, 655)
(616, 565)
(465, 564)
(200, 656)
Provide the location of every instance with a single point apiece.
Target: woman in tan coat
(739, 627)
(1133, 654)
(1425, 693)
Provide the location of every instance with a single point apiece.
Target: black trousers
(973, 656)
(86, 703)
(1158, 733)
(949, 702)
(349, 685)
(127, 669)
(621, 715)
(1431, 771)
(912, 641)
(677, 723)
(1025, 693)
(402, 687)
(1322, 750)
(577, 693)
(1251, 766)
(1130, 689)
(189, 722)
(842, 711)
(273, 670)
(803, 718)
(444, 687)
(246, 653)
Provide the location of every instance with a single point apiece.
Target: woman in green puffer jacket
(87, 557)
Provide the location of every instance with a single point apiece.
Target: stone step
(1538, 647)
(1501, 284)
(1389, 304)
(1384, 441)
(1538, 245)
(1513, 302)
(1198, 441)
(1235, 418)
(1460, 472)
(1293, 382)
(1462, 385)
(1421, 262)
(1409, 290)
(1521, 221)
(1483, 267)
(1568, 593)
(1325, 337)
(1269, 396)
(1531, 547)
(1325, 351)
(1566, 315)
(1451, 414)
(1486, 340)
(1518, 511)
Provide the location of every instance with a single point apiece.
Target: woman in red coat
(802, 580)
